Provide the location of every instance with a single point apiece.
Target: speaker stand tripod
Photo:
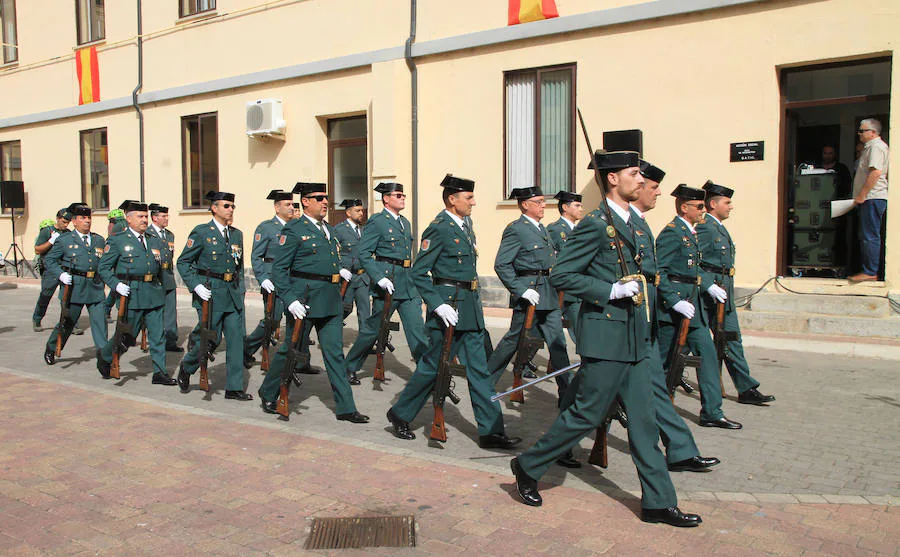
(16, 251)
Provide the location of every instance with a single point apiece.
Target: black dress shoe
(50, 357)
(184, 379)
(672, 516)
(695, 464)
(722, 422)
(249, 361)
(103, 367)
(753, 396)
(269, 407)
(401, 428)
(353, 417)
(498, 441)
(309, 370)
(353, 379)
(568, 460)
(238, 395)
(163, 379)
(174, 348)
(526, 486)
(528, 374)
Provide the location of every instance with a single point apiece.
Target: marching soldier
(115, 225)
(682, 453)
(159, 216)
(348, 234)
(445, 274)
(307, 271)
(44, 242)
(523, 264)
(590, 268)
(74, 260)
(132, 267)
(212, 266)
(678, 255)
(717, 259)
(570, 212)
(385, 252)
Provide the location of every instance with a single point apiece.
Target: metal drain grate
(362, 531)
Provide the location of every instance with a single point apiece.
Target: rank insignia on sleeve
(106, 249)
(190, 243)
(282, 239)
(425, 244)
(257, 237)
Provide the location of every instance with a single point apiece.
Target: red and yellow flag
(523, 11)
(88, 72)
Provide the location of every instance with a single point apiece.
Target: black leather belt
(227, 277)
(405, 263)
(684, 279)
(535, 272)
(729, 271)
(465, 284)
(149, 277)
(268, 260)
(85, 274)
(652, 279)
(334, 279)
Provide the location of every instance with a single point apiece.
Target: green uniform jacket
(717, 259)
(124, 255)
(265, 240)
(349, 252)
(678, 253)
(559, 232)
(42, 238)
(383, 237)
(447, 252)
(526, 248)
(305, 248)
(607, 329)
(205, 250)
(69, 254)
(167, 239)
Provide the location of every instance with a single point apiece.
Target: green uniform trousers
(673, 431)
(700, 343)
(152, 319)
(413, 327)
(48, 287)
(329, 331)
(735, 361)
(359, 294)
(596, 385)
(97, 313)
(229, 324)
(471, 348)
(170, 319)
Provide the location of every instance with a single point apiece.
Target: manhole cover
(362, 531)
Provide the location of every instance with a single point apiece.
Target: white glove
(204, 292)
(626, 290)
(685, 308)
(531, 296)
(123, 289)
(386, 285)
(718, 293)
(297, 309)
(346, 275)
(267, 286)
(53, 237)
(65, 278)
(448, 315)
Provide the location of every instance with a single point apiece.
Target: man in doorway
(870, 192)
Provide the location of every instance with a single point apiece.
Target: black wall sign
(747, 151)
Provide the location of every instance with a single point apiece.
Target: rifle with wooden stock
(269, 327)
(123, 336)
(679, 358)
(525, 350)
(207, 341)
(443, 381)
(383, 341)
(294, 357)
(65, 317)
(144, 346)
(721, 338)
(600, 451)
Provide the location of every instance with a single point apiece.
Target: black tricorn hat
(567, 197)
(457, 184)
(348, 203)
(214, 196)
(306, 188)
(615, 160)
(280, 195)
(131, 205)
(78, 210)
(651, 172)
(156, 208)
(688, 193)
(525, 193)
(715, 189)
(388, 187)
(64, 214)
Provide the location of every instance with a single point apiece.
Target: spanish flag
(523, 11)
(88, 75)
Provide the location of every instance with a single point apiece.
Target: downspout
(414, 93)
(137, 89)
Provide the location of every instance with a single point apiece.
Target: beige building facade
(408, 91)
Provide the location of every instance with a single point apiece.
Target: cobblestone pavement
(124, 466)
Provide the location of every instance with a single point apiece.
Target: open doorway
(822, 107)
(348, 170)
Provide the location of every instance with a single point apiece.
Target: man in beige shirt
(870, 191)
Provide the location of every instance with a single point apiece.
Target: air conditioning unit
(265, 118)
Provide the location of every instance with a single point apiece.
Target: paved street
(123, 467)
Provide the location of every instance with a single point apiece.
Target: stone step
(834, 305)
(828, 286)
(811, 323)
